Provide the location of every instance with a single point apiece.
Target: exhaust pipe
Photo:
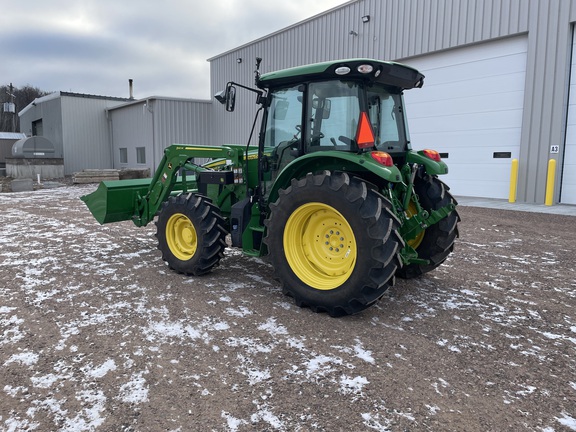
(131, 87)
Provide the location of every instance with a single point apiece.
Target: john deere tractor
(332, 193)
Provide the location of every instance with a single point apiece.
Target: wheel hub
(320, 246)
(181, 237)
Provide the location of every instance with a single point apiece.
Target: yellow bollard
(550, 182)
(513, 181)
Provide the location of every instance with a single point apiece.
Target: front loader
(332, 193)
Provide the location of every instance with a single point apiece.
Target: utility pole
(10, 107)
(13, 107)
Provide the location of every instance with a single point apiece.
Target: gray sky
(95, 46)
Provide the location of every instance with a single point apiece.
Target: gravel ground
(98, 334)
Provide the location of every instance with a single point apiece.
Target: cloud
(95, 46)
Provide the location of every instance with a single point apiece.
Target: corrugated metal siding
(7, 140)
(398, 29)
(50, 112)
(131, 127)
(181, 122)
(156, 123)
(401, 29)
(85, 132)
(546, 95)
(568, 169)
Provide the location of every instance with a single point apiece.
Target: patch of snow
(89, 418)
(102, 370)
(239, 312)
(433, 409)
(265, 414)
(362, 353)
(252, 346)
(320, 365)
(135, 390)
(273, 328)
(13, 391)
(352, 385)
(15, 424)
(25, 358)
(232, 422)
(374, 422)
(45, 381)
(568, 421)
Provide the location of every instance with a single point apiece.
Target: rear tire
(437, 241)
(333, 242)
(191, 234)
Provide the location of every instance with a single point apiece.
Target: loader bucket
(116, 200)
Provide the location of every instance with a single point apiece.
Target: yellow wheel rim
(181, 237)
(416, 241)
(320, 246)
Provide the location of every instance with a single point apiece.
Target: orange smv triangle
(365, 134)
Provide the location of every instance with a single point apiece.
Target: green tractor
(332, 193)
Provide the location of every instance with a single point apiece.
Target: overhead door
(470, 110)
(568, 182)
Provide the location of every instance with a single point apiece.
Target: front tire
(191, 234)
(333, 242)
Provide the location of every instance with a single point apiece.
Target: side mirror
(227, 97)
(230, 98)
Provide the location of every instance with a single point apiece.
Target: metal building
(142, 129)
(7, 140)
(497, 88)
(76, 124)
(497, 82)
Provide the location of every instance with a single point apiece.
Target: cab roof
(384, 72)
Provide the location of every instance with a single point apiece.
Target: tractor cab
(331, 115)
(347, 106)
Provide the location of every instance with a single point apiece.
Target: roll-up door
(470, 110)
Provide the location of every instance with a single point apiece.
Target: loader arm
(139, 200)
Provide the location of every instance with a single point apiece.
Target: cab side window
(285, 117)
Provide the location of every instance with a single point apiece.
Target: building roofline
(58, 94)
(145, 100)
(90, 96)
(285, 29)
(12, 135)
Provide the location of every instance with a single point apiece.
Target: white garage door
(568, 184)
(470, 109)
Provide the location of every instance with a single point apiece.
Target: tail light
(432, 154)
(382, 158)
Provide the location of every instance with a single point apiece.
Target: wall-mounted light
(239, 60)
(366, 18)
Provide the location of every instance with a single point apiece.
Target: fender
(333, 161)
(431, 166)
